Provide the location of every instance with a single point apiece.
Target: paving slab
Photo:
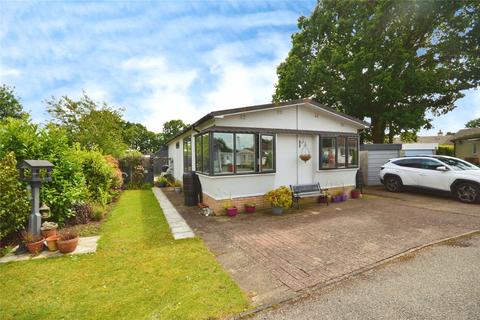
(279, 257)
(85, 245)
(178, 226)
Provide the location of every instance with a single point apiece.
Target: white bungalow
(242, 153)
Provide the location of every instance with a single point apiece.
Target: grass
(138, 272)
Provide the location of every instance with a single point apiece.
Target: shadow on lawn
(155, 228)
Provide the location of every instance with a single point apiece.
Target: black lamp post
(35, 172)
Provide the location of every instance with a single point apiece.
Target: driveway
(275, 258)
(437, 283)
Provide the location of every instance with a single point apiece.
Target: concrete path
(85, 245)
(438, 283)
(178, 226)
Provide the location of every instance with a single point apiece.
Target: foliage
(280, 197)
(14, 204)
(175, 184)
(391, 61)
(446, 149)
(137, 137)
(29, 237)
(90, 124)
(98, 212)
(67, 234)
(172, 128)
(135, 253)
(475, 123)
(83, 212)
(9, 104)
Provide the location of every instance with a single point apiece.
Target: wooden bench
(306, 190)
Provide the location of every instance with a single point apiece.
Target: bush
(14, 204)
(83, 213)
(446, 150)
(98, 212)
(281, 197)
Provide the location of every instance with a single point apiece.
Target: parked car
(443, 173)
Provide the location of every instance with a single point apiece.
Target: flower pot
(344, 197)
(52, 243)
(67, 246)
(231, 212)
(277, 210)
(249, 208)
(35, 247)
(337, 199)
(178, 189)
(49, 233)
(355, 194)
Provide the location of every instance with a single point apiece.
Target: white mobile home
(242, 153)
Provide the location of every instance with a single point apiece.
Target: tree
(9, 104)
(138, 137)
(172, 128)
(475, 123)
(89, 123)
(391, 61)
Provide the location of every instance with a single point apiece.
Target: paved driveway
(278, 257)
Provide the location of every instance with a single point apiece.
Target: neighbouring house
(439, 139)
(240, 154)
(467, 145)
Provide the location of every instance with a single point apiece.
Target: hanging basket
(305, 157)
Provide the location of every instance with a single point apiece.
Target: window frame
(187, 159)
(274, 151)
(346, 137)
(257, 144)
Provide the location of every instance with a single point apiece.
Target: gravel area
(442, 282)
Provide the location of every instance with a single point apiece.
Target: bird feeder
(35, 172)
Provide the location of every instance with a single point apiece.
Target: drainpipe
(296, 144)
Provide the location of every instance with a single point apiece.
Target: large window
(223, 153)
(234, 153)
(338, 152)
(187, 155)
(266, 153)
(245, 152)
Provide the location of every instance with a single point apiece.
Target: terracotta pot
(49, 233)
(249, 208)
(232, 212)
(52, 243)
(355, 194)
(67, 246)
(35, 247)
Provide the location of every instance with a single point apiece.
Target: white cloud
(6, 72)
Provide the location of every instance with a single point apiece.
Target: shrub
(14, 204)
(446, 150)
(281, 197)
(98, 212)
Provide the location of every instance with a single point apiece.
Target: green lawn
(138, 272)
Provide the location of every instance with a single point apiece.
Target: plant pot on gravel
(49, 229)
(232, 211)
(52, 243)
(67, 241)
(355, 194)
(280, 198)
(250, 207)
(277, 210)
(33, 242)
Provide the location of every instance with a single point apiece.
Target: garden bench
(306, 190)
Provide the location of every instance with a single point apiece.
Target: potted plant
(52, 243)
(337, 198)
(67, 241)
(177, 186)
(33, 242)
(250, 207)
(162, 182)
(49, 229)
(355, 194)
(230, 209)
(344, 194)
(280, 199)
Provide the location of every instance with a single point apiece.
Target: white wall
(309, 118)
(176, 155)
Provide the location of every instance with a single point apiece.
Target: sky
(158, 60)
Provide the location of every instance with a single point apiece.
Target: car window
(430, 164)
(457, 164)
(409, 163)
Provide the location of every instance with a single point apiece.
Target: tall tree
(391, 61)
(138, 137)
(89, 123)
(10, 105)
(475, 123)
(172, 127)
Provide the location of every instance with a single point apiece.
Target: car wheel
(467, 192)
(393, 184)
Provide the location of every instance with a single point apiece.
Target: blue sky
(158, 60)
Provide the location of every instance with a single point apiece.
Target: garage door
(376, 159)
(418, 152)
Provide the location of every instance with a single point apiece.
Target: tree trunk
(391, 133)
(378, 130)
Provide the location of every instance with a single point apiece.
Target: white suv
(444, 173)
